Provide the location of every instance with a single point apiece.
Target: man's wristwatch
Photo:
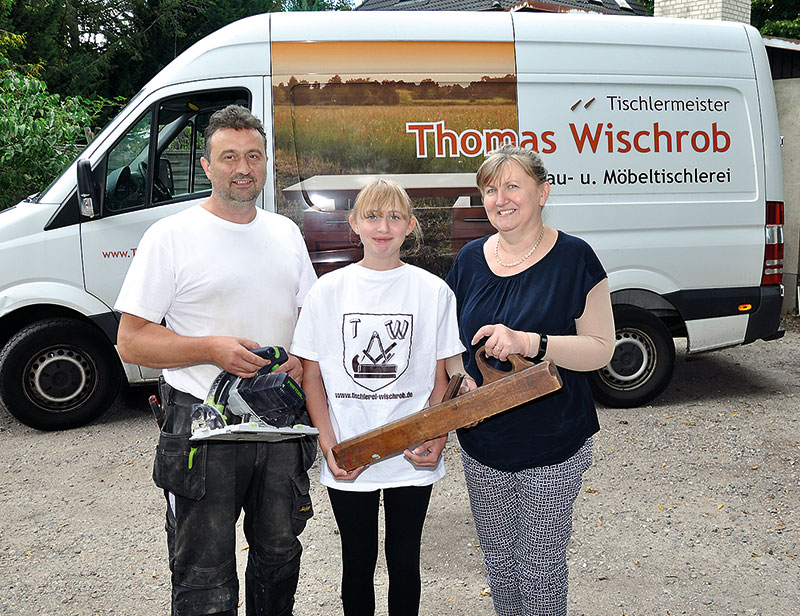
(542, 347)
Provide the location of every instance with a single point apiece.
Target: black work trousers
(207, 485)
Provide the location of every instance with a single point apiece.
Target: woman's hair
(382, 195)
(492, 167)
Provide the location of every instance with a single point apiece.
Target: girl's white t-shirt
(377, 336)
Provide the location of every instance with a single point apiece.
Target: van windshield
(70, 169)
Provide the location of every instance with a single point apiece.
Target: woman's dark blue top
(545, 298)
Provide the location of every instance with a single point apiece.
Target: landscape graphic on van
(341, 112)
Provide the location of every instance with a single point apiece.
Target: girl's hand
(467, 384)
(428, 453)
(502, 341)
(338, 472)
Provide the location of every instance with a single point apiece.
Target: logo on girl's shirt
(377, 347)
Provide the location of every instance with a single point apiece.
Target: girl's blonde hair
(381, 196)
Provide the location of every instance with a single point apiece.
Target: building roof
(609, 7)
(784, 57)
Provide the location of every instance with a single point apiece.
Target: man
(225, 277)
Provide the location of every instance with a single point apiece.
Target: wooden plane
(500, 391)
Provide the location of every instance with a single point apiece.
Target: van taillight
(773, 250)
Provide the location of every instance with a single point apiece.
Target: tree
(57, 81)
(317, 5)
(776, 18)
(112, 48)
(40, 132)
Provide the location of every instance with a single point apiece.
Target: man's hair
(232, 116)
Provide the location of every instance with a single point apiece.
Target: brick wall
(728, 10)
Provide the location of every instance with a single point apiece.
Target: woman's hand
(502, 341)
(428, 453)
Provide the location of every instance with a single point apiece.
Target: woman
(532, 290)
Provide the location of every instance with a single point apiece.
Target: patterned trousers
(524, 522)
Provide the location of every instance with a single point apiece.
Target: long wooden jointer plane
(500, 392)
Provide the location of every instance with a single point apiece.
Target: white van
(661, 138)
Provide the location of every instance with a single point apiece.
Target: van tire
(58, 373)
(642, 364)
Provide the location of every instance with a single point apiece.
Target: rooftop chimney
(727, 10)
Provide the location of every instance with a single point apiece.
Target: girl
(375, 337)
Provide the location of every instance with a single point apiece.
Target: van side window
(179, 171)
(179, 166)
(125, 172)
(173, 149)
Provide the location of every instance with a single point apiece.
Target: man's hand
(233, 355)
(294, 366)
(151, 344)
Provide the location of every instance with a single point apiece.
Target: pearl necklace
(518, 261)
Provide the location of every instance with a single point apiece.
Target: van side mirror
(165, 174)
(87, 195)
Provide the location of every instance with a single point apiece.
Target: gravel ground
(691, 507)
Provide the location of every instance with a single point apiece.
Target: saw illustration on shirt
(377, 347)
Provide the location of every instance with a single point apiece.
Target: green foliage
(317, 5)
(10, 43)
(776, 18)
(112, 48)
(56, 82)
(40, 132)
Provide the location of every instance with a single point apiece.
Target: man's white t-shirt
(206, 276)
(377, 336)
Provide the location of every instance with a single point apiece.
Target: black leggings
(357, 517)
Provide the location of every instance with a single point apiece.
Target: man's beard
(240, 199)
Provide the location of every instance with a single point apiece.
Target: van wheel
(642, 364)
(58, 374)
